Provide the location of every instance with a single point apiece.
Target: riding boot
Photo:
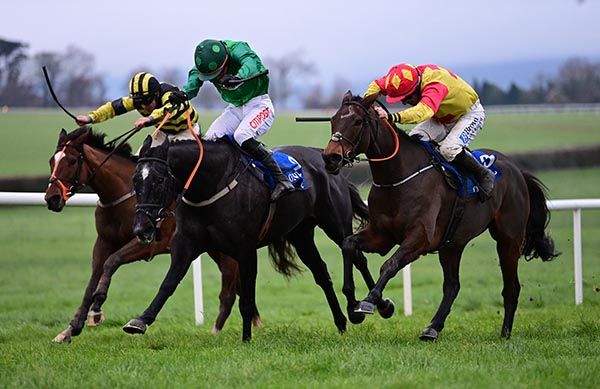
(483, 176)
(259, 152)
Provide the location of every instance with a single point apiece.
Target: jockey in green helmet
(236, 72)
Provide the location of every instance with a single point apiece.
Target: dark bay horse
(234, 220)
(75, 164)
(411, 206)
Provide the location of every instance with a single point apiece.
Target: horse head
(67, 168)
(155, 189)
(350, 128)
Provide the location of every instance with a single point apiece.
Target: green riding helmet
(143, 88)
(210, 57)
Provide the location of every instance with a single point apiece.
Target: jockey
(153, 100)
(446, 108)
(249, 113)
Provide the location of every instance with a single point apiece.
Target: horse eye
(358, 122)
(72, 161)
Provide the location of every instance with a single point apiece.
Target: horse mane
(97, 140)
(401, 133)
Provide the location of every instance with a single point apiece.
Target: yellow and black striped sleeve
(112, 109)
(394, 117)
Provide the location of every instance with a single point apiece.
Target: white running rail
(87, 199)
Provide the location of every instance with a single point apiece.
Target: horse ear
(62, 133)
(369, 100)
(146, 145)
(347, 96)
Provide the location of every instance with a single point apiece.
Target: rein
(200, 156)
(76, 187)
(131, 133)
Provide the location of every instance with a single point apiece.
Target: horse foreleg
(352, 247)
(415, 245)
(450, 262)
(183, 251)
(132, 251)
(101, 251)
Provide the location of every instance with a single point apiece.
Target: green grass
(31, 135)
(44, 266)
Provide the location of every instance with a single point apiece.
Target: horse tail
(359, 208)
(283, 258)
(537, 243)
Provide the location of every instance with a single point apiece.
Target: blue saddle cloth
(467, 186)
(288, 164)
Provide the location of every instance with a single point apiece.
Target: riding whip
(314, 119)
(53, 94)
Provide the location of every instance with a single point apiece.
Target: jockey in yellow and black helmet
(152, 99)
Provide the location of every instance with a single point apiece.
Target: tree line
(577, 81)
(79, 84)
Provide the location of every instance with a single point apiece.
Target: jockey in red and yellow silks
(446, 109)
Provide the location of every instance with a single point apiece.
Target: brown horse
(411, 206)
(77, 162)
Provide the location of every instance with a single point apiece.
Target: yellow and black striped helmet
(143, 87)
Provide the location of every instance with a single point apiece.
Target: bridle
(148, 208)
(349, 157)
(70, 188)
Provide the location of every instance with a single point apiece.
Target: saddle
(458, 180)
(288, 164)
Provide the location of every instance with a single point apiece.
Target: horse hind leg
(303, 241)
(509, 252)
(508, 230)
(450, 261)
(230, 285)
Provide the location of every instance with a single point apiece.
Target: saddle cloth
(288, 164)
(464, 184)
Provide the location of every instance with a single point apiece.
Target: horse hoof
(215, 330)
(356, 317)
(429, 334)
(341, 326)
(365, 307)
(63, 337)
(135, 326)
(94, 319)
(386, 308)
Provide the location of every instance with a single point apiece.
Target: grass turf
(44, 266)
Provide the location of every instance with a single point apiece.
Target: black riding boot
(483, 176)
(259, 152)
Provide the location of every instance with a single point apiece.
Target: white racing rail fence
(576, 205)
